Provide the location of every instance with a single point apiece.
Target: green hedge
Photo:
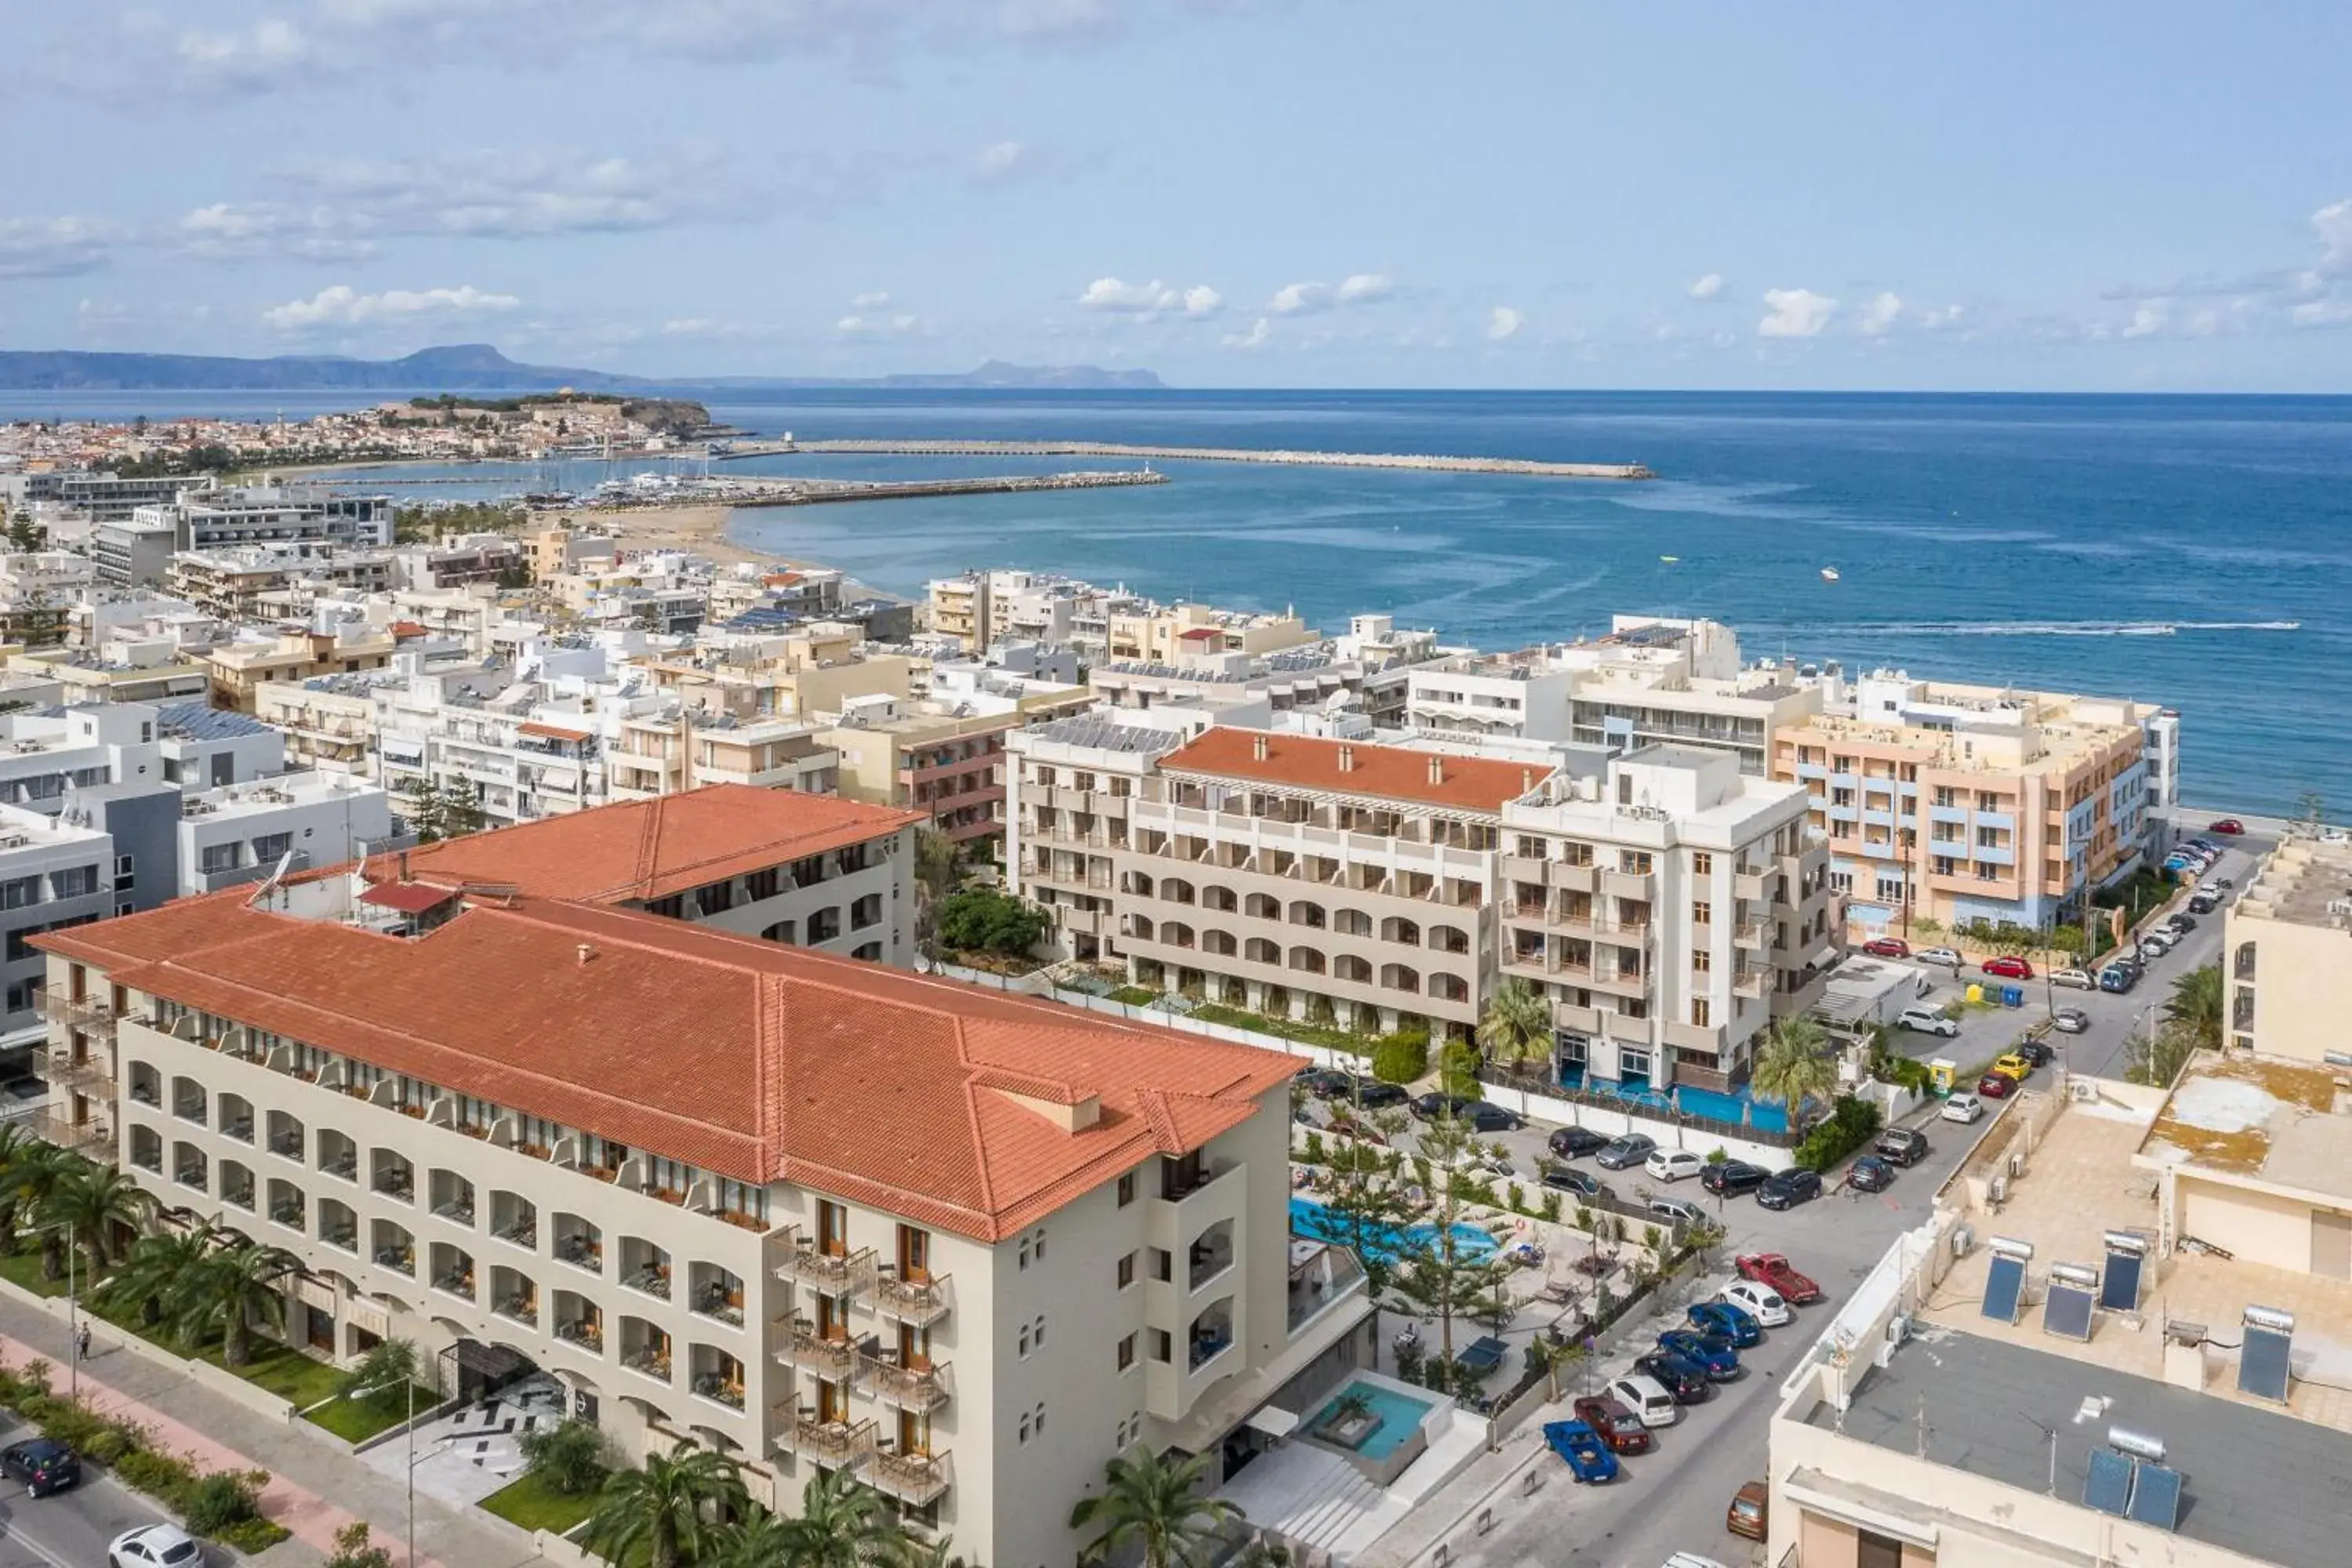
(1403, 1056)
(1852, 1123)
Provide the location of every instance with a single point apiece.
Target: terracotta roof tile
(1355, 767)
(742, 1057)
(644, 849)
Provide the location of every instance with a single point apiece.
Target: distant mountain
(466, 367)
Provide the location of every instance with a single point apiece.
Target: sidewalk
(306, 1471)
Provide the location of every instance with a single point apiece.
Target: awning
(554, 732)
(1273, 1420)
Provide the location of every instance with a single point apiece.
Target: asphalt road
(68, 1528)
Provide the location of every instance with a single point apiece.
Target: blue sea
(2195, 552)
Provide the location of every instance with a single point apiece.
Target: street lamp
(370, 1393)
(73, 1311)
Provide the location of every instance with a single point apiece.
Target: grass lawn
(532, 1503)
(357, 1420)
(1284, 1029)
(283, 1371)
(24, 1270)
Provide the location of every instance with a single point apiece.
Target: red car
(1996, 1086)
(2009, 968)
(1771, 1268)
(1887, 947)
(1619, 1428)
(2227, 825)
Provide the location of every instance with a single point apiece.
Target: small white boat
(1829, 574)
(1670, 559)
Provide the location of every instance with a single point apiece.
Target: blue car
(1726, 1322)
(1588, 1458)
(1711, 1353)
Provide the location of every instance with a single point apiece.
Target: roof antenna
(2050, 1437)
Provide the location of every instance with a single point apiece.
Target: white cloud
(52, 246)
(903, 324)
(1503, 322)
(1309, 297)
(1152, 298)
(873, 301)
(1260, 330)
(1706, 288)
(343, 306)
(2333, 222)
(1796, 313)
(1878, 317)
(1366, 287)
(2146, 322)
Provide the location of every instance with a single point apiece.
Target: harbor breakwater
(1425, 463)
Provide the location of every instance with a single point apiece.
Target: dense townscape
(1039, 1071)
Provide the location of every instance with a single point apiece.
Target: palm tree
(14, 1145)
(935, 1553)
(1794, 1066)
(937, 873)
(156, 1269)
(1150, 1503)
(90, 1202)
(33, 1176)
(1516, 1033)
(843, 1524)
(2197, 1004)
(234, 1286)
(762, 1541)
(660, 1509)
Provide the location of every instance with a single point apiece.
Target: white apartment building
(137, 550)
(1517, 696)
(1306, 877)
(1652, 681)
(43, 756)
(245, 832)
(240, 582)
(964, 1246)
(1671, 907)
(54, 874)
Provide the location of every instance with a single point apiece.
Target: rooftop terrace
(2302, 883)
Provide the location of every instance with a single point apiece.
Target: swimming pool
(1399, 1417)
(1385, 1242)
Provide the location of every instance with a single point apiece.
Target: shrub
(256, 1535)
(1552, 1206)
(1313, 1153)
(569, 1456)
(1717, 1155)
(158, 1475)
(352, 1549)
(1851, 1124)
(222, 1499)
(1403, 1056)
(1515, 1198)
(1457, 1069)
(982, 919)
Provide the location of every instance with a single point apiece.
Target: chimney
(1346, 759)
(404, 865)
(586, 953)
(1258, 747)
(1436, 770)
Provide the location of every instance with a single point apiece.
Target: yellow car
(2014, 1066)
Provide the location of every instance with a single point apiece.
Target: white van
(1646, 1398)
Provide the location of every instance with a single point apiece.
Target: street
(68, 1528)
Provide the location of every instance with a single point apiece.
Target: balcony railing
(820, 1352)
(81, 1013)
(63, 1071)
(834, 1445)
(399, 1259)
(582, 1332)
(919, 1299)
(835, 1273)
(915, 1479)
(920, 1387)
(651, 1362)
(522, 1309)
(581, 1251)
(78, 1136)
(719, 1386)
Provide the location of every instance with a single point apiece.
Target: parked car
(1757, 1299)
(1962, 1107)
(1729, 1177)
(1576, 1142)
(1869, 1174)
(1750, 1510)
(1478, 1115)
(2079, 979)
(1646, 1398)
(1787, 1189)
(1582, 1183)
(155, 1546)
(2117, 978)
(2014, 1066)
(1996, 1086)
(43, 1464)
(1901, 1145)
(2158, 939)
(1774, 1269)
(1927, 1021)
(2070, 1020)
(1674, 1211)
(1673, 1164)
(1629, 1150)
(1679, 1376)
(2038, 1052)
(2203, 904)
(1614, 1420)
(2182, 923)
(1328, 1083)
(1722, 1319)
(1949, 957)
(2223, 885)
(1580, 1448)
(1887, 947)
(1374, 1095)
(2230, 826)
(1717, 1357)
(2007, 966)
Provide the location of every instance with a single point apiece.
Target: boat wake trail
(2049, 628)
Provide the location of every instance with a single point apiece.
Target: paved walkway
(305, 1471)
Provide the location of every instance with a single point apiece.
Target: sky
(2147, 197)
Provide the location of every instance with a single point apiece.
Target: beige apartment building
(816, 1215)
(1163, 633)
(1068, 784)
(1671, 907)
(1311, 878)
(1973, 803)
(937, 756)
(240, 670)
(797, 675)
(2286, 955)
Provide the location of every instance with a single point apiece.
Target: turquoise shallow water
(1399, 1415)
(2155, 546)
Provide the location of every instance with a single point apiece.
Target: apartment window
(1946, 795)
(1024, 1252)
(1529, 848)
(1037, 1420)
(74, 881)
(1037, 1332)
(1037, 1245)
(765, 884)
(1125, 1270)
(1702, 864)
(1872, 1550)
(125, 865)
(1701, 1012)
(1127, 1352)
(1701, 913)
(1025, 1341)
(219, 858)
(1127, 1189)
(1164, 1266)
(20, 893)
(832, 1229)
(1702, 961)
(1024, 1428)
(1890, 890)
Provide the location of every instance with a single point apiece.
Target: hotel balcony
(85, 1013)
(920, 1387)
(64, 1070)
(821, 1354)
(915, 1479)
(835, 1273)
(77, 1136)
(834, 1445)
(918, 1299)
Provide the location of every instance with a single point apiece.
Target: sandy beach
(699, 529)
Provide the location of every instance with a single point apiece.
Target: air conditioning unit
(1963, 1238)
(2082, 1088)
